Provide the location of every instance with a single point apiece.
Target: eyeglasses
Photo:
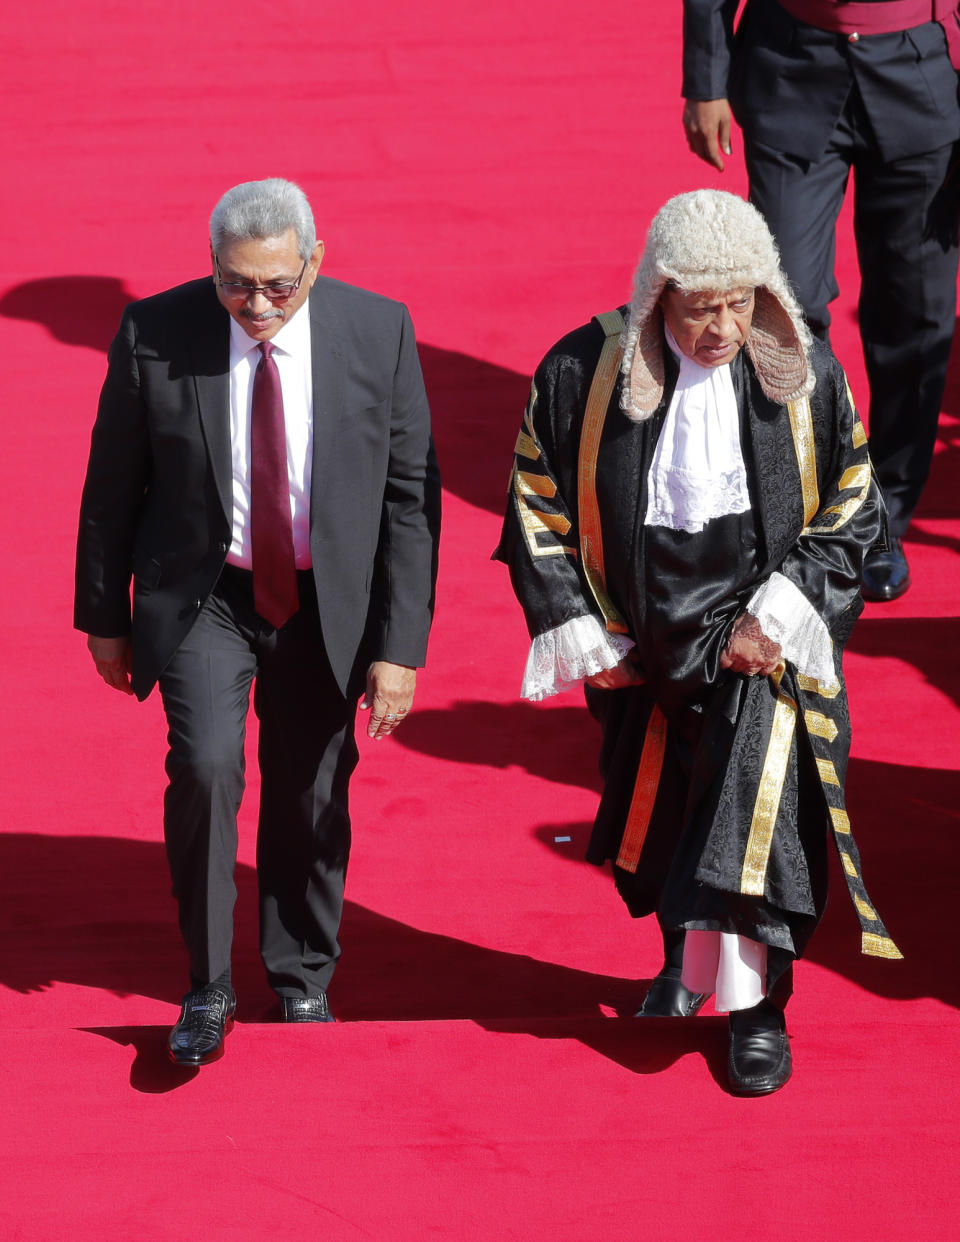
(274, 293)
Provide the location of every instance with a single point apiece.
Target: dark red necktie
(275, 594)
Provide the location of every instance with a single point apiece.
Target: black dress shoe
(759, 1060)
(306, 1008)
(206, 1015)
(668, 998)
(886, 575)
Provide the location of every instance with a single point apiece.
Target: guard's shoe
(886, 575)
(306, 1008)
(668, 998)
(759, 1060)
(206, 1014)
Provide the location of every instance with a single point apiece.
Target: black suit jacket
(157, 501)
(788, 81)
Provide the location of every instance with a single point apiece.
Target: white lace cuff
(787, 616)
(566, 654)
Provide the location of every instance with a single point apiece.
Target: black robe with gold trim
(720, 789)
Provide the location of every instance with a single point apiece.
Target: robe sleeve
(826, 562)
(540, 538)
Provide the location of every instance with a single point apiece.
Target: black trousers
(307, 752)
(906, 237)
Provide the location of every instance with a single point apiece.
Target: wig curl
(709, 241)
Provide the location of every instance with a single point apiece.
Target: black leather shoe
(668, 998)
(759, 1060)
(206, 1015)
(886, 575)
(306, 1008)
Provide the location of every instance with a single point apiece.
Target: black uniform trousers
(906, 237)
(307, 752)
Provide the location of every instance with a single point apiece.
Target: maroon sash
(863, 17)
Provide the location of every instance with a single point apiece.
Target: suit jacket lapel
(210, 347)
(329, 367)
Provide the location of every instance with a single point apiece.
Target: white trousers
(731, 966)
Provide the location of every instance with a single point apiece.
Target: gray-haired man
(262, 468)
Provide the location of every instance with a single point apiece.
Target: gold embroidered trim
(820, 725)
(556, 522)
(848, 864)
(826, 690)
(801, 424)
(644, 791)
(525, 484)
(844, 512)
(591, 534)
(855, 476)
(828, 773)
(756, 860)
(841, 821)
(879, 946)
(867, 911)
(535, 523)
(536, 485)
(526, 446)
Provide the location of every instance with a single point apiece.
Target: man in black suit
(262, 468)
(820, 87)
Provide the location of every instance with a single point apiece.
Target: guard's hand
(707, 126)
(626, 673)
(748, 649)
(389, 696)
(112, 656)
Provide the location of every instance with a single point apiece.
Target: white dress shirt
(292, 356)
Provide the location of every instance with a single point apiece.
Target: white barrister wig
(709, 241)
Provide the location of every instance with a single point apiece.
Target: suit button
(854, 38)
(222, 545)
(197, 604)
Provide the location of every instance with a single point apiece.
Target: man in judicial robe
(821, 88)
(262, 469)
(690, 507)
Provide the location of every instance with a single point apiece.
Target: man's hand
(707, 125)
(388, 697)
(112, 658)
(748, 649)
(624, 674)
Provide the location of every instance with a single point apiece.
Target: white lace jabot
(697, 472)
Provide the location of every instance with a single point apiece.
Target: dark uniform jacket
(787, 81)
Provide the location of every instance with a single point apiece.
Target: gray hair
(257, 209)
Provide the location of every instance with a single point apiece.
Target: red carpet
(496, 170)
